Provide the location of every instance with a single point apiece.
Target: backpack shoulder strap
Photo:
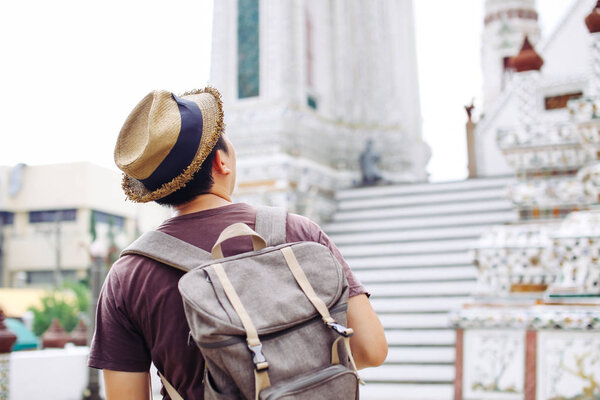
(168, 250)
(271, 224)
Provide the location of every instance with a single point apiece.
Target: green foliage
(59, 304)
(82, 294)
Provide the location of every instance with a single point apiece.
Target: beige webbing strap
(235, 301)
(236, 230)
(321, 307)
(260, 373)
(170, 389)
(261, 381)
(305, 285)
(335, 355)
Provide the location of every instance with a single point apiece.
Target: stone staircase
(409, 245)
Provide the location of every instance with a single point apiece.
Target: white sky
(71, 70)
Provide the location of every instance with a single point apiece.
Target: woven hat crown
(165, 140)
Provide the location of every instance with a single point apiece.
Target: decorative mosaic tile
(4, 376)
(576, 254)
(509, 257)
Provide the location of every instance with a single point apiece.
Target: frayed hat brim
(137, 192)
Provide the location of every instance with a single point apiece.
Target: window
(36, 217)
(248, 49)
(47, 277)
(560, 101)
(106, 218)
(311, 102)
(7, 218)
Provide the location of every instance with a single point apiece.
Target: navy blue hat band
(185, 148)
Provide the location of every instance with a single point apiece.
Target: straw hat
(165, 140)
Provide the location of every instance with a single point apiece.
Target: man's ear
(221, 163)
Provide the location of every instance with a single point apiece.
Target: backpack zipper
(242, 339)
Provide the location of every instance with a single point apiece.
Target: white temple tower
(305, 84)
(506, 24)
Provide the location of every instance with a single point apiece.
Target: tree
(58, 304)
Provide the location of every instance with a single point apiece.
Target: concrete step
(407, 248)
(397, 236)
(463, 207)
(417, 305)
(409, 373)
(464, 289)
(410, 246)
(410, 260)
(406, 391)
(482, 218)
(421, 355)
(421, 337)
(401, 190)
(421, 199)
(415, 321)
(433, 274)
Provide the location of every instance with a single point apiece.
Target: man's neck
(201, 203)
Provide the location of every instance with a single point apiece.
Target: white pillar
(526, 84)
(594, 83)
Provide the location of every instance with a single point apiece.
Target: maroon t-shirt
(140, 317)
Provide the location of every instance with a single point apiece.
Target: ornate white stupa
(306, 84)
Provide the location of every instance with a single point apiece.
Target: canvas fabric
(249, 310)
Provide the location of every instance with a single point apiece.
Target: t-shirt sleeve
(117, 344)
(301, 228)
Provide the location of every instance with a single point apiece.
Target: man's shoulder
(133, 271)
(301, 220)
(301, 228)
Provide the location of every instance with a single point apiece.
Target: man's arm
(126, 385)
(368, 344)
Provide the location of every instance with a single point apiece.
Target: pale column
(223, 72)
(277, 49)
(404, 77)
(343, 68)
(594, 83)
(526, 84)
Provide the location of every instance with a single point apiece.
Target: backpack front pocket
(333, 382)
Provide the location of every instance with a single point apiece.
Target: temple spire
(592, 21)
(527, 59)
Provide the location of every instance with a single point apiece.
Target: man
(173, 150)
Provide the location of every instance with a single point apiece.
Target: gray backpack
(270, 323)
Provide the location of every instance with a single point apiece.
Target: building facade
(50, 215)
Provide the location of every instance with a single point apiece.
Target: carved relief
(494, 363)
(569, 366)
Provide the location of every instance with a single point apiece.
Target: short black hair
(200, 183)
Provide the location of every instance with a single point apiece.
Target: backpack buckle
(258, 358)
(340, 329)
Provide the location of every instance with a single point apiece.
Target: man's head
(172, 149)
